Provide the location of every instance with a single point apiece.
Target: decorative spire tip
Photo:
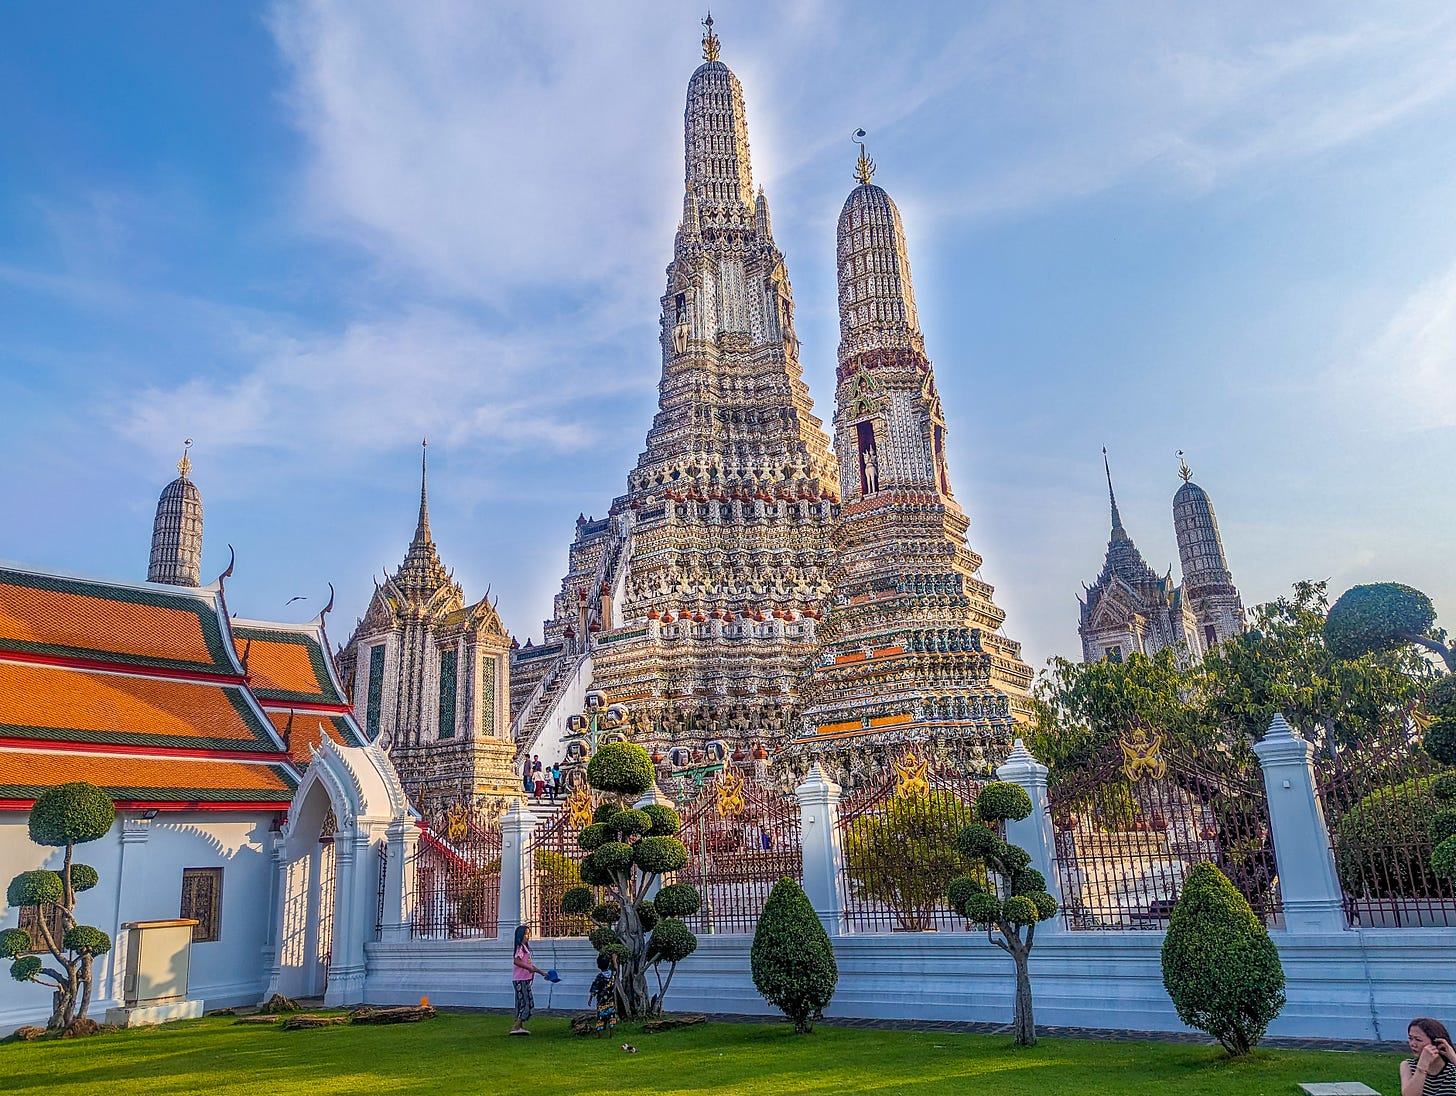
(864, 170)
(1183, 469)
(185, 464)
(710, 40)
(1111, 495)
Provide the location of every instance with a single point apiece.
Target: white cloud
(1407, 373)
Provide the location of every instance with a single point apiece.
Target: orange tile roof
(47, 702)
(285, 665)
(306, 734)
(24, 774)
(63, 617)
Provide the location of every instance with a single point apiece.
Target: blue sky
(308, 234)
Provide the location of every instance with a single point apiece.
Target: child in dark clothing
(604, 993)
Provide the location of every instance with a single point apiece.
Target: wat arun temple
(756, 594)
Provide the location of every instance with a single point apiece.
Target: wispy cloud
(1405, 375)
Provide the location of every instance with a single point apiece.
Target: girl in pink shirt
(523, 974)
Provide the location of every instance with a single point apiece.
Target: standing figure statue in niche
(871, 462)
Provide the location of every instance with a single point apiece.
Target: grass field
(470, 1053)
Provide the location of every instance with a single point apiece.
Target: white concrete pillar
(818, 798)
(1034, 832)
(353, 913)
(517, 897)
(402, 841)
(1309, 887)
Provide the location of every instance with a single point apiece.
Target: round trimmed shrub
(1380, 616)
(631, 822)
(25, 968)
(87, 939)
(1014, 859)
(792, 958)
(1002, 801)
(83, 877)
(622, 768)
(35, 888)
(977, 841)
(594, 836)
(577, 901)
(1443, 825)
(671, 942)
(1440, 740)
(1444, 787)
(605, 811)
(1046, 905)
(14, 943)
(1028, 881)
(660, 854)
(1019, 910)
(606, 913)
(1443, 859)
(1219, 966)
(961, 889)
(621, 952)
(602, 937)
(613, 856)
(666, 822)
(593, 874)
(1379, 842)
(677, 900)
(647, 914)
(980, 909)
(71, 814)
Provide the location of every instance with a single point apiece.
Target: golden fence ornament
(729, 790)
(579, 808)
(1142, 756)
(456, 826)
(910, 769)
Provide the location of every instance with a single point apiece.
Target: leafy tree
(1219, 966)
(1385, 616)
(628, 851)
(64, 816)
(1284, 664)
(906, 857)
(1013, 897)
(792, 959)
(1382, 838)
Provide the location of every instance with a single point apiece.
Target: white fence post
(1034, 832)
(1309, 888)
(818, 798)
(402, 842)
(517, 897)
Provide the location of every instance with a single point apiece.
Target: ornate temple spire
(1207, 581)
(422, 573)
(716, 159)
(1118, 532)
(177, 530)
(422, 527)
(876, 294)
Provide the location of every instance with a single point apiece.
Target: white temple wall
(140, 865)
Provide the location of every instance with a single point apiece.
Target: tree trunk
(1023, 1022)
(85, 987)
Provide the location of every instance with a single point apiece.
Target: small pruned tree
(792, 959)
(1384, 616)
(628, 852)
(1219, 965)
(1013, 896)
(64, 816)
(906, 857)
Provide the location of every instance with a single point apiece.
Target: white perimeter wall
(140, 864)
(1351, 985)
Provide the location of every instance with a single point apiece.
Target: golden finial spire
(1183, 469)
(864, 170)
(185, 464)
(710, 40)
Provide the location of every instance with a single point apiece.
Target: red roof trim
(51, 745)
(124, 668)
(305, 707)
(167, 806)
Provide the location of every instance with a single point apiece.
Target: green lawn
(470, 1053)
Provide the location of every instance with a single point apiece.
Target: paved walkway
(961, 1027)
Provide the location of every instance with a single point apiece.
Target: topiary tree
(64, 816)
(1381, 841)
(792, 959)
(1219, 965)
(1011, 899)
(1381, 617)
(906, 857)
(628, 852)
